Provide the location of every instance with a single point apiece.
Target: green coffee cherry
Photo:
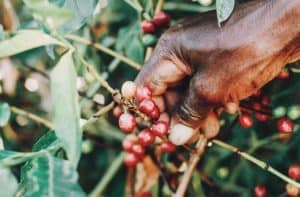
(149, 40)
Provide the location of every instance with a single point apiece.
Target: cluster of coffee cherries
(145, 121)
(160, 21)
(259, 106)
(260, 190)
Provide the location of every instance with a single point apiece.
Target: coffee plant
(74, 122)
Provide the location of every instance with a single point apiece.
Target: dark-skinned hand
(217, 67)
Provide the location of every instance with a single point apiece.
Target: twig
(257, 162)
(162, 171)
(108, 176)
(200, 147)
(99, 113)
(105, 50)
(159, 6)
(93, 72)
(32, 116)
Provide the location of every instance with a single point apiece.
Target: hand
(223, 65)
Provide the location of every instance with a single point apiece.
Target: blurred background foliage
(115, 24)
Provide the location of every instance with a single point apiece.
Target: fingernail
(180, 134)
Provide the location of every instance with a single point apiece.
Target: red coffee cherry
(127, 143)
(155, 113)
(285, 125)
(256, 106)
(260, 191)
(284, 74)
(117, 111)
(161, 19)
(292, 190)
(143, 92)
(246, 121)
(160, 128)
(146, 137)
(147, 106)
(128, 89)
(265, 100)
(148, 27)
(261, 117)
(294, 171)
(145, 194)
(131, 159)
(138, 149)
(167, 147)
(127, 122)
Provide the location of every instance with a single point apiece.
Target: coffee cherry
(180, 134)
(128, 142)
(146, 137)
(256, 106)
(206, 2)
(143, 92)
(265, 100)
(284, 74)
(294, 171)
(167, 147)
(117, 111)
(161, 19)
(138, 149)
(128, 89)
(131, 159)
(148, 27)
(155, 113)
(149, 40)
(260, 191)
(246, 121)
(147, 106)
(292, 190)
(285, 125)
(127, 122)
(145, 194)
(160, 128)
(261, 117)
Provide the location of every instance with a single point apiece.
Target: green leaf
(224, 9)
(82, 9)
(49, 176)
(66, 108)
(2, 36)
(8, 183)
(25, 40)
(46, 141)
(49, 14)
(4, 114)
